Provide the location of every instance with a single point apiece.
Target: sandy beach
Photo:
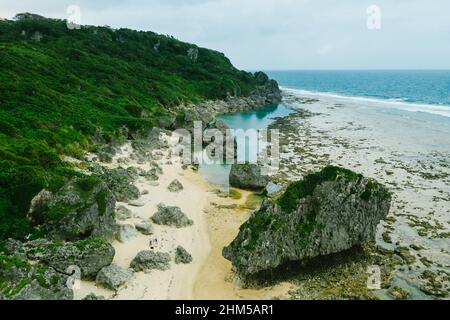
(216, 280)
(176, 283)
(217, 219)
(410, 241)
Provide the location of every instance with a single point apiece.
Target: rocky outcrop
(93, 297)
(113, 277)
(123, 213)
(175, 186)
(145, 228)
(126, 232)
(89, 255)
(83, 208)
(19, 280)
(106, 153)
(327, 212)
(267, 92)
(171, 216)
(182, 256)
(119, 181)
(151, 260)
(247, 176)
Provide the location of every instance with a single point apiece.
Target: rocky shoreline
(166, 227)
(113, 202)
(413, 239)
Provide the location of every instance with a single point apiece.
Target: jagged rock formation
(126, 232)
(93, 297)
(119, 181)
(182, 256)
(123, 213)
(151, 260)
(89, 255)
(247, 176)
(266, 92)
(175, 186)
(171, 216)
(113, 277)
(83, 208)
(145, 228)
(327, 212)
(19, 280)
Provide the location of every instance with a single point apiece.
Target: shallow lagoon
(256, 119)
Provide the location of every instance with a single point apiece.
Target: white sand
(216, 280)
(178, 282)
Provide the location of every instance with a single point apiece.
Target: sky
(281, 34)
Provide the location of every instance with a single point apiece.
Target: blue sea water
(412, 105)
(425, 90)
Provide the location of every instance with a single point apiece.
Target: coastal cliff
(65, 92)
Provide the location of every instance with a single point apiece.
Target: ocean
(406, 111)
(425, 91)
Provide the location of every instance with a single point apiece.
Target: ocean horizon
(409, 90)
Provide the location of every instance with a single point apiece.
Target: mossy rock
(323, 214)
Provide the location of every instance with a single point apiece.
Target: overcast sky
(281, 34)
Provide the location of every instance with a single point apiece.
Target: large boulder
(83, 208)
(172, 217)
(126, 232)
(20, 280)
(182, 256)
(145, 228)
(327, 212)
(113, 277)
(151, 260)
(120, 181)
(90, 255)
(248, 176)
(175, 186)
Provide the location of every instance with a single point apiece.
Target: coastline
(176, 283)
(406, 151)
(216, 280)
(217, 219)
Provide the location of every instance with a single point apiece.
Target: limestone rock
(327, 212)
(175, 186)
(182, 256)
(83, 208)
(150, 260)
(93, 297)
(145, 228)
(22, 281)
(113, 277)
(119, 181)
(126, 232)
(248, 176)
(171, 216)
(89, 255)
(123, 213)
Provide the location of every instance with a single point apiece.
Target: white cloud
(281, 34)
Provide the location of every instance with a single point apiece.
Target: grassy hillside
(61, 87)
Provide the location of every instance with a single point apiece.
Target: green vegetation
(301, 189)
(60, 90)
(235, 195)
(253, 201)
(374, 188)
(28, 274)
